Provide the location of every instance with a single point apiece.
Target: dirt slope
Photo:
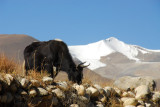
(14, 44)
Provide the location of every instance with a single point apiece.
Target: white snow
(144, 50)
(93, 52)
(153, 50)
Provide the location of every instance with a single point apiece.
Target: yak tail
(23, 67)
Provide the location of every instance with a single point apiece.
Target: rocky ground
(18, 91)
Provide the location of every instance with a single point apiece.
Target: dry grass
(7, 65)
(33, 74)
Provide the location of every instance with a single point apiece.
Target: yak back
(61, 55)
(53, 52)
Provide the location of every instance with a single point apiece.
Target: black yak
(52, 54)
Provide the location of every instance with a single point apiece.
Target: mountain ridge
(106, 47)
(112, 58)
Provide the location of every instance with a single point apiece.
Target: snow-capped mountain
(92, 53)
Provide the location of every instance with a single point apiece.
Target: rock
(42, 91)
(89, 95)
(125, 94)
(131, 94)
(142, 92)
(73, 95)
(148, 105)
(130, 106)
(32, 93)
(128, 94)
(74, 105)
(24, 82)
(156, 96)
(100, 89)
(99, 104)
(141, 102)
(130, 83)
(80, 89)
(35, 83)
(9, 79)
(84, 99)
(130, 101)
(94, 91)
(58, 93)
(118, 91)
(102, 98)
(54, 101)
(140, 106)
(63, 85)
(123, 99)
(88, 92)
(116, 100)
(23, 93)
(74, 85)
(109, 91)
(86, 85)
(49, 88)
(1, 78)
(47, 80)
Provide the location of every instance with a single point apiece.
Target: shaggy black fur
(46, 55)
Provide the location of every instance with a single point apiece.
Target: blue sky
(84, 21)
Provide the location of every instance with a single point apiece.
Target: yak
(52, 54)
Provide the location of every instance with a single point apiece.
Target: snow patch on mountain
(145, 50)
(93, 52)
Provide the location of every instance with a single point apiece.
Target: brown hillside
(13, 45)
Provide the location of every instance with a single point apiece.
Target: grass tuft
(7, 65)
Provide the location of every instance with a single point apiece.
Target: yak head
(77, 73)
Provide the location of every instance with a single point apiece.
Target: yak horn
(82, 65)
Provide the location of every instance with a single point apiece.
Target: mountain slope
(14, 44)
(112, 58)
(93, 52)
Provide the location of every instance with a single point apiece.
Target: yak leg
(25, 71)
(55, 71)
(26, 67)
(49, 69)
